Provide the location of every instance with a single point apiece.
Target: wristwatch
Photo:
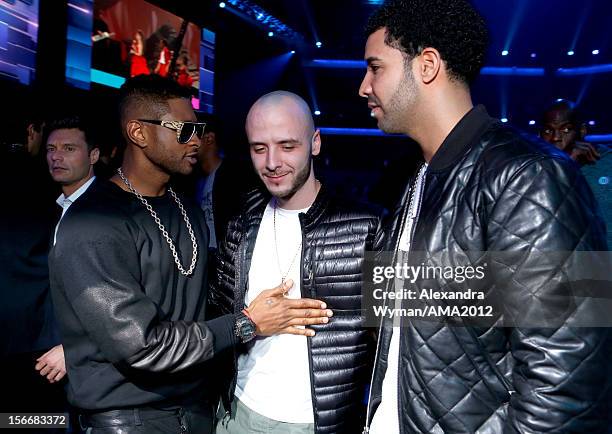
(244, 328)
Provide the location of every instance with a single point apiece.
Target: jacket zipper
(366, 428)
(420, 183)
(237, 308)
(308, 339)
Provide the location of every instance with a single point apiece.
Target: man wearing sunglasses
(138, 348)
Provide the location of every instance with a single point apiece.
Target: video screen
(18, 39)
(132, 37)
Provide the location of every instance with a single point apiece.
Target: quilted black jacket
(335, 238)
(488, 188)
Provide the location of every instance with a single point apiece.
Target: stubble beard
(400, 107)
(300, 179)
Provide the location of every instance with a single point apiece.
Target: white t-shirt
(274, 376)
(386, 418)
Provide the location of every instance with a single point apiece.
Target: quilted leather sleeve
(561, 375)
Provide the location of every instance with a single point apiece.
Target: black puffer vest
(335, 238)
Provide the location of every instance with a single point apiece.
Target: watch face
(245, 329)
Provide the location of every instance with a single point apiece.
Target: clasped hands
(273, 313)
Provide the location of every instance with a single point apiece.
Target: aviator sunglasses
(184, 130)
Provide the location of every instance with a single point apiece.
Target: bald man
(562, 126)
(293, 229)
(128, 277)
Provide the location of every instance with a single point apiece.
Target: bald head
(283, 141)
(277, 103)
(562, 125)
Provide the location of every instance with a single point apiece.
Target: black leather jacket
(490, 189)
(335, 238)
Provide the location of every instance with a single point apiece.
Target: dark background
(250, 63)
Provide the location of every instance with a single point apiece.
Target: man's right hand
(273, 313)
(585, 153)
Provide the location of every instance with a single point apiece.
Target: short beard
(300, 180)
(400, 105)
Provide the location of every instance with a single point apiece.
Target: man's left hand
(52, 364)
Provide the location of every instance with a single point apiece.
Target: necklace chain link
(298, 250)
(162, 228)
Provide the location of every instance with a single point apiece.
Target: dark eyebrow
(372, 59)
(62, 144)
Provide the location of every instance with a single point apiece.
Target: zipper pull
(310, 274)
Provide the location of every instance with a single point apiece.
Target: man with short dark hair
(128, 276)
(484, 191)
(71, 158)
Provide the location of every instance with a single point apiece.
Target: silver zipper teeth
(366, 428)
(420, 183)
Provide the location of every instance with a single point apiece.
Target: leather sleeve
(98, 268)
(562, 375)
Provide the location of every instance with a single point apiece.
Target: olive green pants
(243, 420)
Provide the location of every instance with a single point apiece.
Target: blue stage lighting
(592, 123)
(595, 52)
(270, 34)
(586, 70)
(596, 138)
(249, 10)
(512, 70)
(370, 132)
(505, 53)
(570, 53)
(532, 122)
(504, 120)
(319, 44)
(534, 55)
(292, 51)
(337, 63)
(317, 112)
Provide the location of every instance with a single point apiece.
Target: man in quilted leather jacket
(484, 188)
(294, 230)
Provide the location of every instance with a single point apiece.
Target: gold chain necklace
(298, 250)
(162, 228)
